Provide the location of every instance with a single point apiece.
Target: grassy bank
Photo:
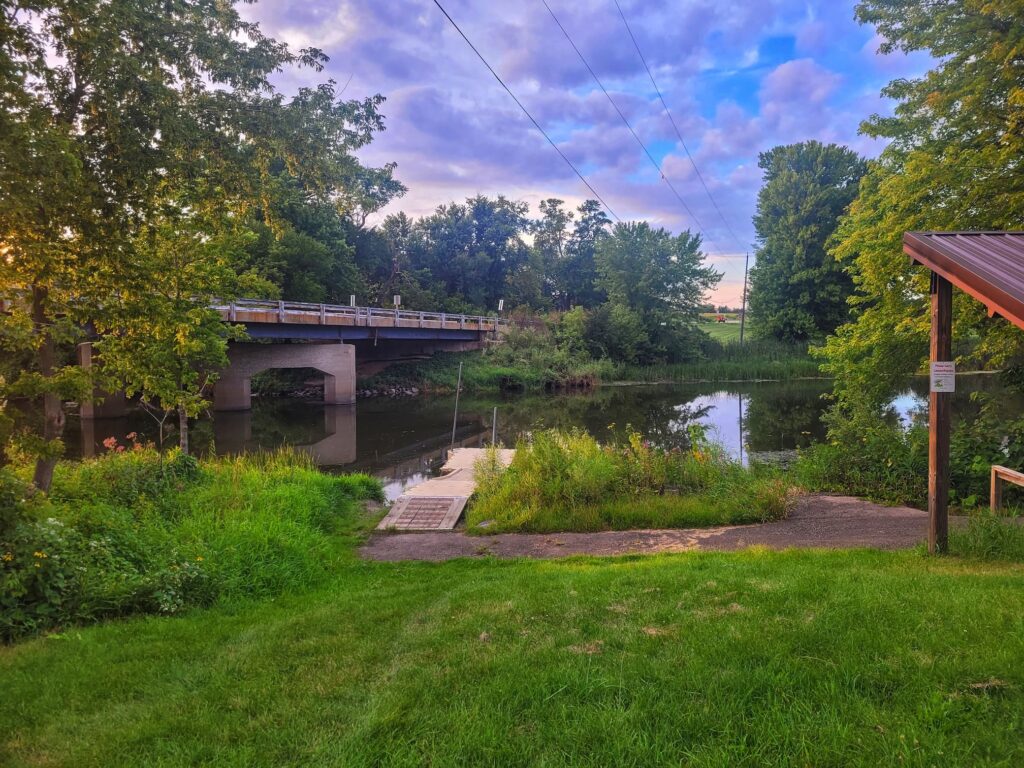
(134, 532)
(700, 659)
(567, 481)
(752, 361)
(543, 366)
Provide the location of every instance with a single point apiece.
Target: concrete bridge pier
(102, 404)
(337, 362)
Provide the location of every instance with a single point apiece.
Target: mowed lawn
(723, 332)
(702, 659)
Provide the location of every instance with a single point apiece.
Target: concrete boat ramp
(437, 504)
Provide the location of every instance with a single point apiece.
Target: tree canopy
(125, 118)
(797, 290)
(954, 162)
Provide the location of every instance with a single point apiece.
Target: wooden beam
(939, 409)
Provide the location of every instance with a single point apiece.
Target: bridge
(332, 339)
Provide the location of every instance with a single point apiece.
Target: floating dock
(437, 504)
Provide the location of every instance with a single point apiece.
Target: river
(401, 441)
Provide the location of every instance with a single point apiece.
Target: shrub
(136, 532)
(567, 481)
(869, 453)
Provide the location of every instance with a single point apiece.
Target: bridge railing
(265, 310)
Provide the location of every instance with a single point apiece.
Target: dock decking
(437, 504)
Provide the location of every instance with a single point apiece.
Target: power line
(676, 127)
(526, 111)
(625, 120)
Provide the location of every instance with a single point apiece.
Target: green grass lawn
(723, 332)
(755, 658)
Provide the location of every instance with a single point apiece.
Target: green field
(755, 658)
(724, 332)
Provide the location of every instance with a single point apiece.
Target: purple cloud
(739, 77)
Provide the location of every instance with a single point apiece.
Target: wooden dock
(437, 504)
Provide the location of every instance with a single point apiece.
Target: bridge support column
(337, 362)
(102, 405)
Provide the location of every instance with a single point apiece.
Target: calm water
(403, 441)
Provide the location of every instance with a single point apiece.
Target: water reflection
(404, 441)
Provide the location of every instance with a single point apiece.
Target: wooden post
(939, 407)
(995, 499)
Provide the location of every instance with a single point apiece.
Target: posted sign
(943, 376)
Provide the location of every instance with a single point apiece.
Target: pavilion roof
(987, 265)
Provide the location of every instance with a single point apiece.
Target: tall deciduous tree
(954, 162)
(660, 277)
(113, 110)
(797, 290)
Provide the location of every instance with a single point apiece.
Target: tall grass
(138, 532)
(731, 361)
(567, 481)
(990, 537)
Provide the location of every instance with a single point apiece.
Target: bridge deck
(301, 313)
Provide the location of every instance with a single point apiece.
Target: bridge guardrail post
(280, 311)
(421, 319)
(323, 314)
(232, 312)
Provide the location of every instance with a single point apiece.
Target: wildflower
(110, 443)
(199, 558)
(37, 565)
(7, 557)
(39, 554)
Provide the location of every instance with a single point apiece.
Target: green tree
(953, 162)
(165, 343)
(797, 290)
(113, 110)
(578, 278)
(660, 278)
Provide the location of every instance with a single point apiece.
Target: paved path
(816, 521)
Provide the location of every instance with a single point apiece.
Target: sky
(738, 76)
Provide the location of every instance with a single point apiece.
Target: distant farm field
(724, 332)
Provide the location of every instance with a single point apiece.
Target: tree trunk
(53, 406)
(182, 429)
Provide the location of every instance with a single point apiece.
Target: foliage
(659, 278)
(138, 532)
(567, 481)
(797, 290)
(869, 453)
(120, 117)
(953, 163)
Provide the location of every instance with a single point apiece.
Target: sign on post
(351, 299)
(501, 304)
(943, 376)
(398, 300)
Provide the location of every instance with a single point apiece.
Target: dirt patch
(817, 520)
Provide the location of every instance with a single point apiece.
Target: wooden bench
(999, 476)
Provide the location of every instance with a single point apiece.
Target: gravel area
(817, 520)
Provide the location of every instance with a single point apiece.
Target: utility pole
(743, 311)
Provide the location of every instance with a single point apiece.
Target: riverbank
(135, 531)
(484, 371)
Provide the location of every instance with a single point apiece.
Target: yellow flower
(7, 557)
(199, 558)
(39, 554)
(37, 565)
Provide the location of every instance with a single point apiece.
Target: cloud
(739, 78)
